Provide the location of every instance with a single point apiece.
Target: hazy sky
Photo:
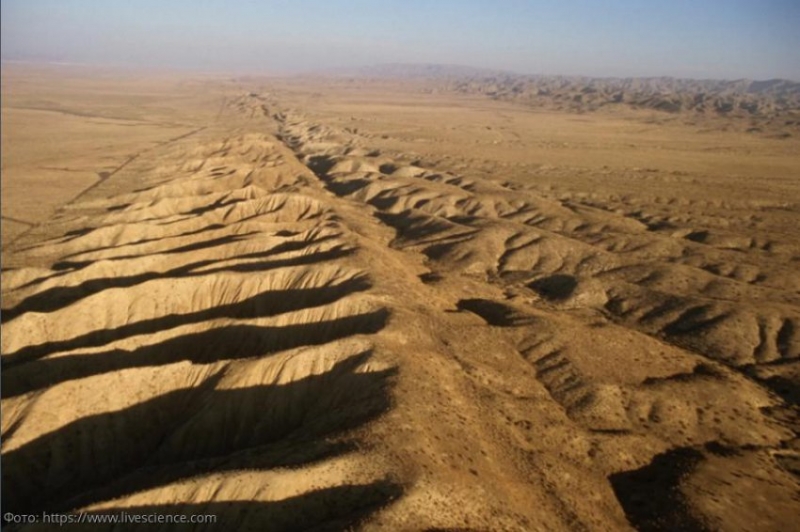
(687, 38)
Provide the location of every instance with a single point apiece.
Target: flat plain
(334, 304)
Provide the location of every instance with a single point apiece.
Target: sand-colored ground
(67, 128)
(325, 305)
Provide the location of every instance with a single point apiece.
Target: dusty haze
(490, 266)
(718, 39)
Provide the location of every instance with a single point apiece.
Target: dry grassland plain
(334, 304)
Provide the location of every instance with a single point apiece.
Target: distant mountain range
(771, 99)
(425, 71)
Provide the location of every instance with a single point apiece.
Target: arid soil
(348, 304)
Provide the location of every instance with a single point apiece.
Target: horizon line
(348, 71)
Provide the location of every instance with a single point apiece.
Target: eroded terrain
(342, 305)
